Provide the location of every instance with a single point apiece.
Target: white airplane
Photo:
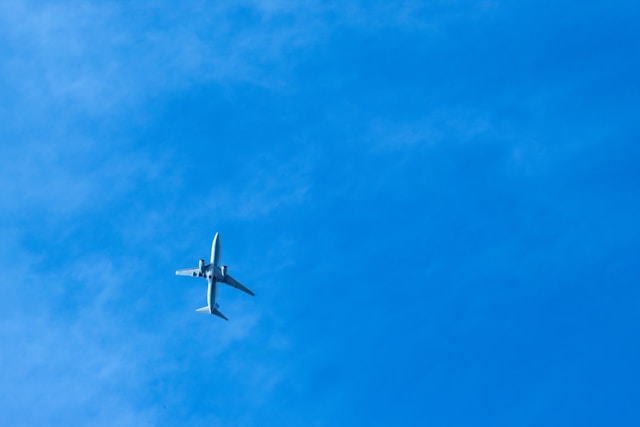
(214, 274)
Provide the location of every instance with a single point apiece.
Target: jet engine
(201, 267)
(223, 270)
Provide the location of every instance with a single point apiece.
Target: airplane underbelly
(215, 251)
(211, 294)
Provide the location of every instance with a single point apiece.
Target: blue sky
(436, 204)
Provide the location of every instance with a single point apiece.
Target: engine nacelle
(201, 266)
(223, 270)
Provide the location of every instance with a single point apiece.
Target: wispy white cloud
(76, 343)
(267, 192)
(109, 57)
(102, 58)
(74, 176)
(71, 367)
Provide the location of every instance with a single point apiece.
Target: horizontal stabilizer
(216, 312)
(220, 315)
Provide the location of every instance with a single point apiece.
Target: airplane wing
(193, 272)
(235, 284)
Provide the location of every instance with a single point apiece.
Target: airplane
(213, 273)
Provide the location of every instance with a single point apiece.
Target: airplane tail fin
(216, 312)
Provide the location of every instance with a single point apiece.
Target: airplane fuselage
(213, 273)
(216, 248)
(211, 294)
